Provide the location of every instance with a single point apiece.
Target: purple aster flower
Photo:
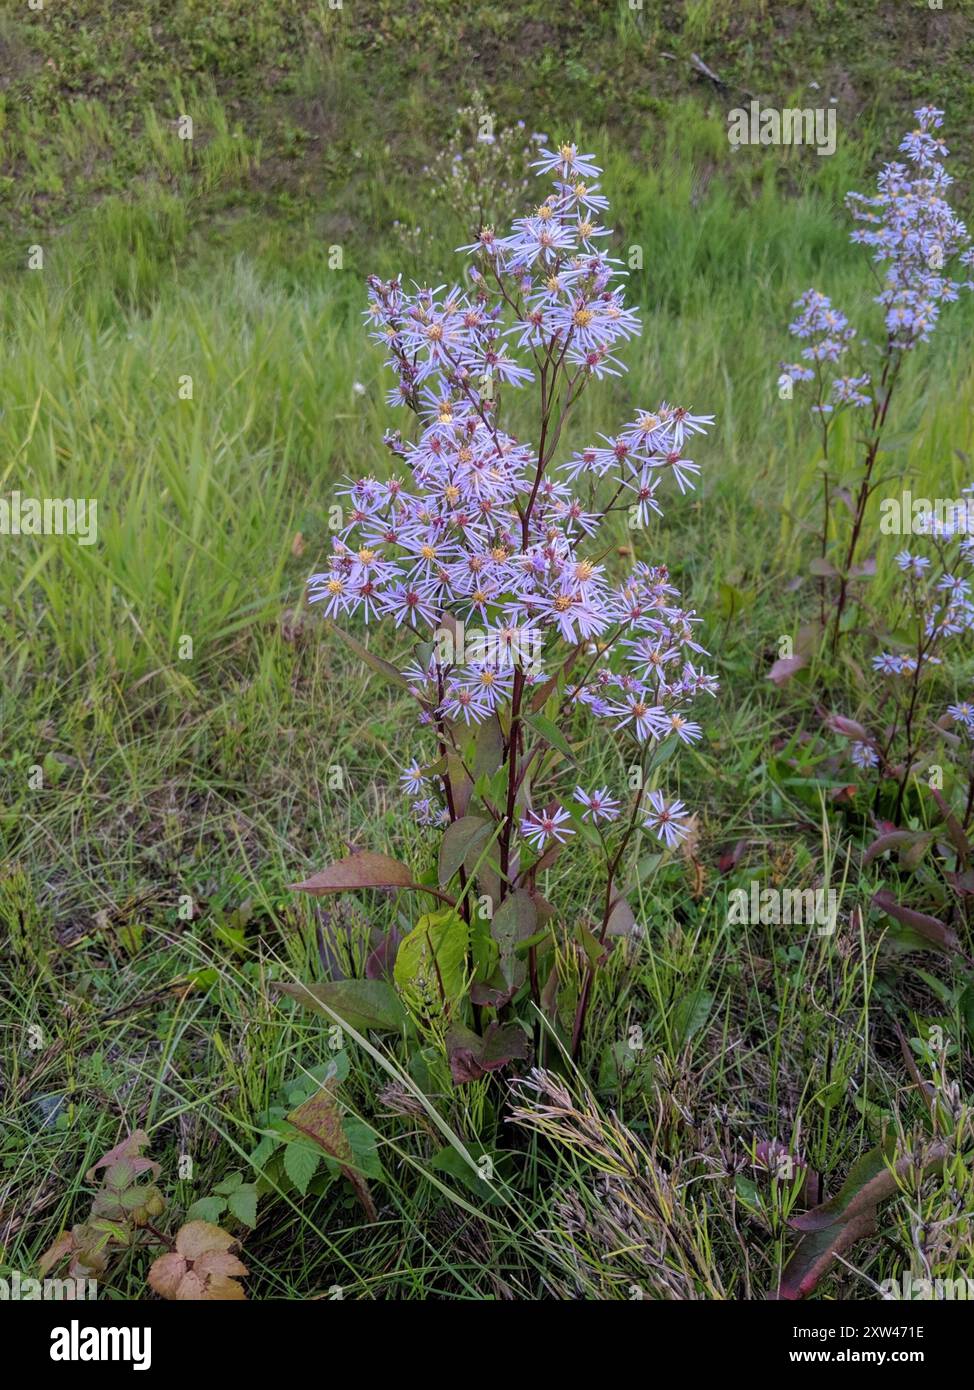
(889, 664)
(567, 162)
(912, 564)
(862, 755)
(412, 778)
(647, 720)
(847, 390)
(471, 703)
(334, 590)
(538, 827)
(408, 602)
(669, 820)
(599, 805)
(963, 713)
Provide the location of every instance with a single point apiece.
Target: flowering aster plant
(915, 237)
(483, 550)
(932, 618)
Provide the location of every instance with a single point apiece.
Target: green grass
(168, 777)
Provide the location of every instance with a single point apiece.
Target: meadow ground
(159, 795)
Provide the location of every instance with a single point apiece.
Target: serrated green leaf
(229, 1184)
(243, 1204)
(207, 1209)
(301, 1161)
(363, 1144)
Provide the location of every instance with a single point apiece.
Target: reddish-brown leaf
(219, 1288)
(166, 1274)
(364, 870)
(851, 728)
(128, 1150)
(215, 1262)
(935, 931)
(472, 1057)
(200, 1267)
(892, 839)
(321, 1120)
(786, 667)
(829, 1229)
(64, 1245)
(191, 1288)
(198, 1238)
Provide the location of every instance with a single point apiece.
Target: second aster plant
(485, 549)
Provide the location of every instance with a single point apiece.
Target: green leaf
(461, 784)
(207, 1209)
(265, 1150)
(362, 1004)
(449, 1161)
(464, 837)
(488, 748)
(430, 964)
(691, 1014)
(335, 1069)
(243, 1204)
(363, 1145)
(550, 733)
(663, 753)
(376, 662)
(589, 943)
(229, 1184)
(513, 922)
(618, 1061)
(966, 1005)
(301, 1161)
(733, 600)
